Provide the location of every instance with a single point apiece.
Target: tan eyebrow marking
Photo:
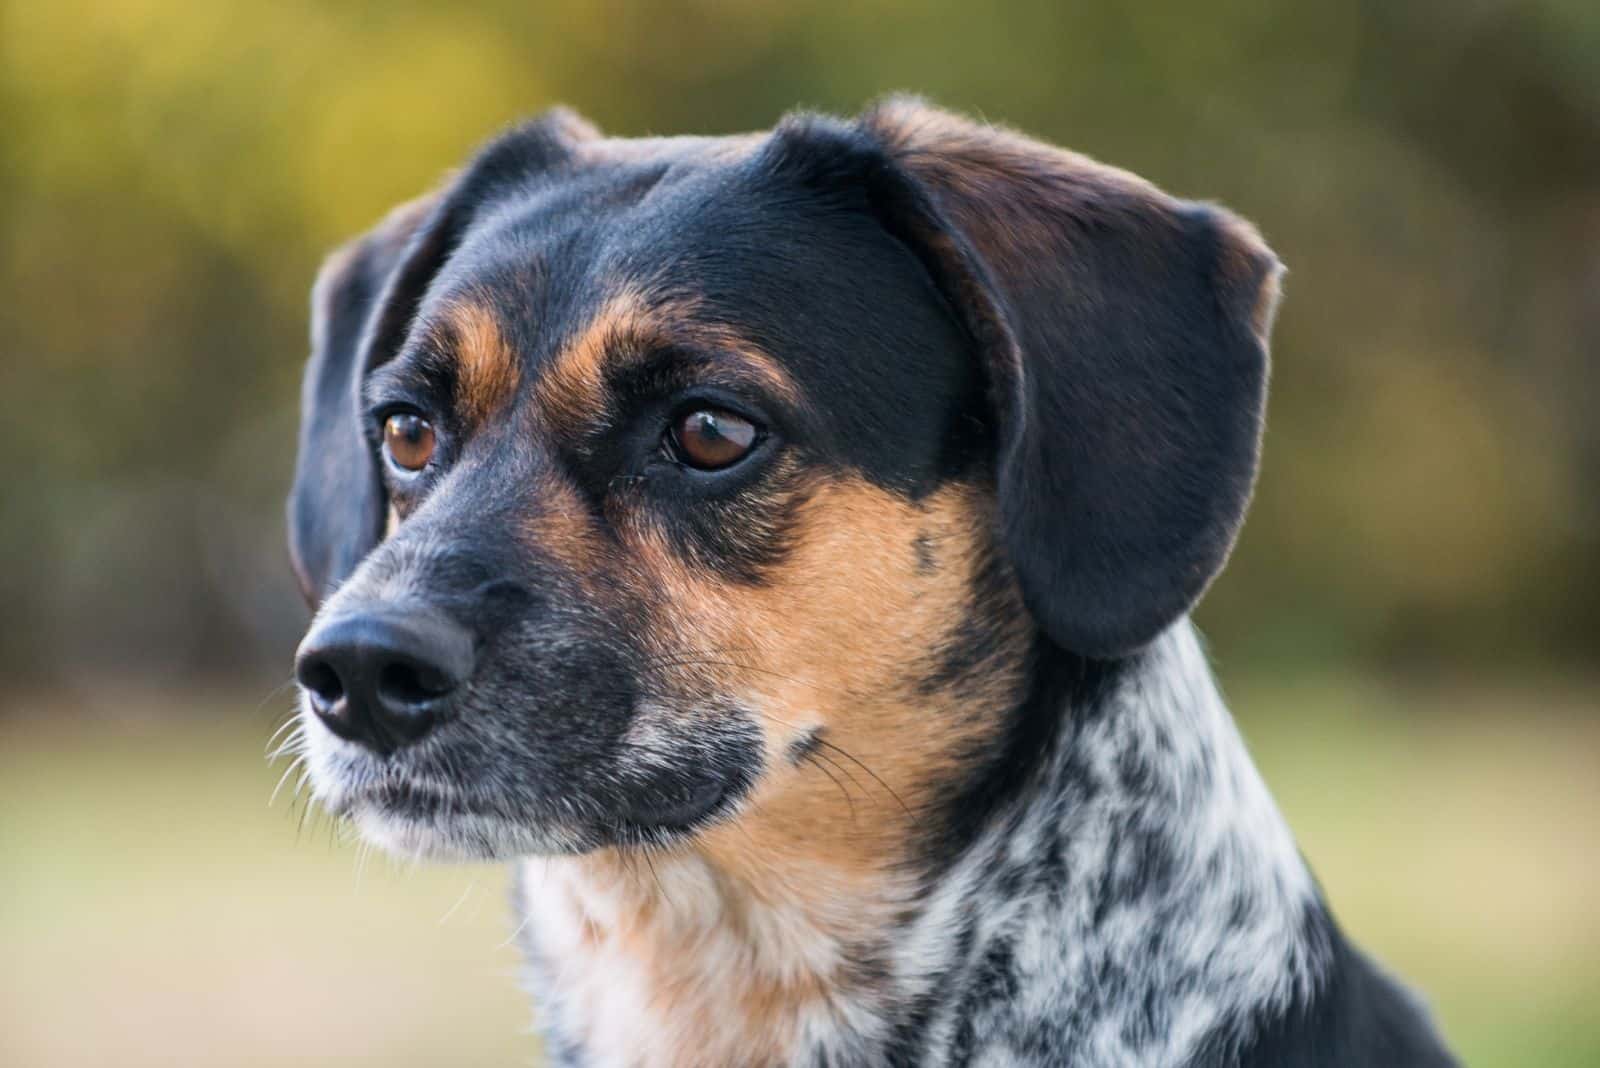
(627, 329)
(487, 368)
(573, 385)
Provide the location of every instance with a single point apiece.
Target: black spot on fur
(926, 556)
(805, 746)
(994, 983)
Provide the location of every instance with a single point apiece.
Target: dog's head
(647, 486)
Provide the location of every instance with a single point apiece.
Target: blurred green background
(1409, 627)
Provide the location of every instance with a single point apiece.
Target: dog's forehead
(623, 226)
(697, 246)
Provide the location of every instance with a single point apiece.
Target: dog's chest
(667, 967)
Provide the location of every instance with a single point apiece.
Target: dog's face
(653, 486)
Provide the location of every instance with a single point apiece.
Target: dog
(780, 548)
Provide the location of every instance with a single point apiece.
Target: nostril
(324, 683)
(404, 683)
(384, 679)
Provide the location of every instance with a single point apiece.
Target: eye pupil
(711, 438)
(408, 439)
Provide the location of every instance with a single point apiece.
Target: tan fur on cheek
(839, 638)
(559, 529)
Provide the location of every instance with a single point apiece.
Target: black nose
(383, 679)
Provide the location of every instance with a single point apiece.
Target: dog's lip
(646, 817)
(683, 814)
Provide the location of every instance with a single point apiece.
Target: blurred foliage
(171, 173)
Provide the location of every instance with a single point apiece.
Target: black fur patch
(1356, 1016)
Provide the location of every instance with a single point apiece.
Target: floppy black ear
(336, 508)
(1125, 337)
(362, 307)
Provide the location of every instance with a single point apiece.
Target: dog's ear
(336, 506)
(362, 307)
(1124, 335)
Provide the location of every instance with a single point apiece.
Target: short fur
(892, 743)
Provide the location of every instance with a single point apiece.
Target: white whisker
(451, 911)
(297, 763)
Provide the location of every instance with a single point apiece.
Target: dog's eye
(712, 438)
(408, 439)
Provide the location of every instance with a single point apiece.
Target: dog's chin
(453, 837)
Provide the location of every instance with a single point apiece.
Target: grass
(154, 910)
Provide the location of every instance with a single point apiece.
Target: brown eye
(408, 439)
(711, 438)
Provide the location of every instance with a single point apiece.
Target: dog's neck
(1141, 864)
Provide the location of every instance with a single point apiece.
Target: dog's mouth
(681, 815)
(427, 802)
(414, 815)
